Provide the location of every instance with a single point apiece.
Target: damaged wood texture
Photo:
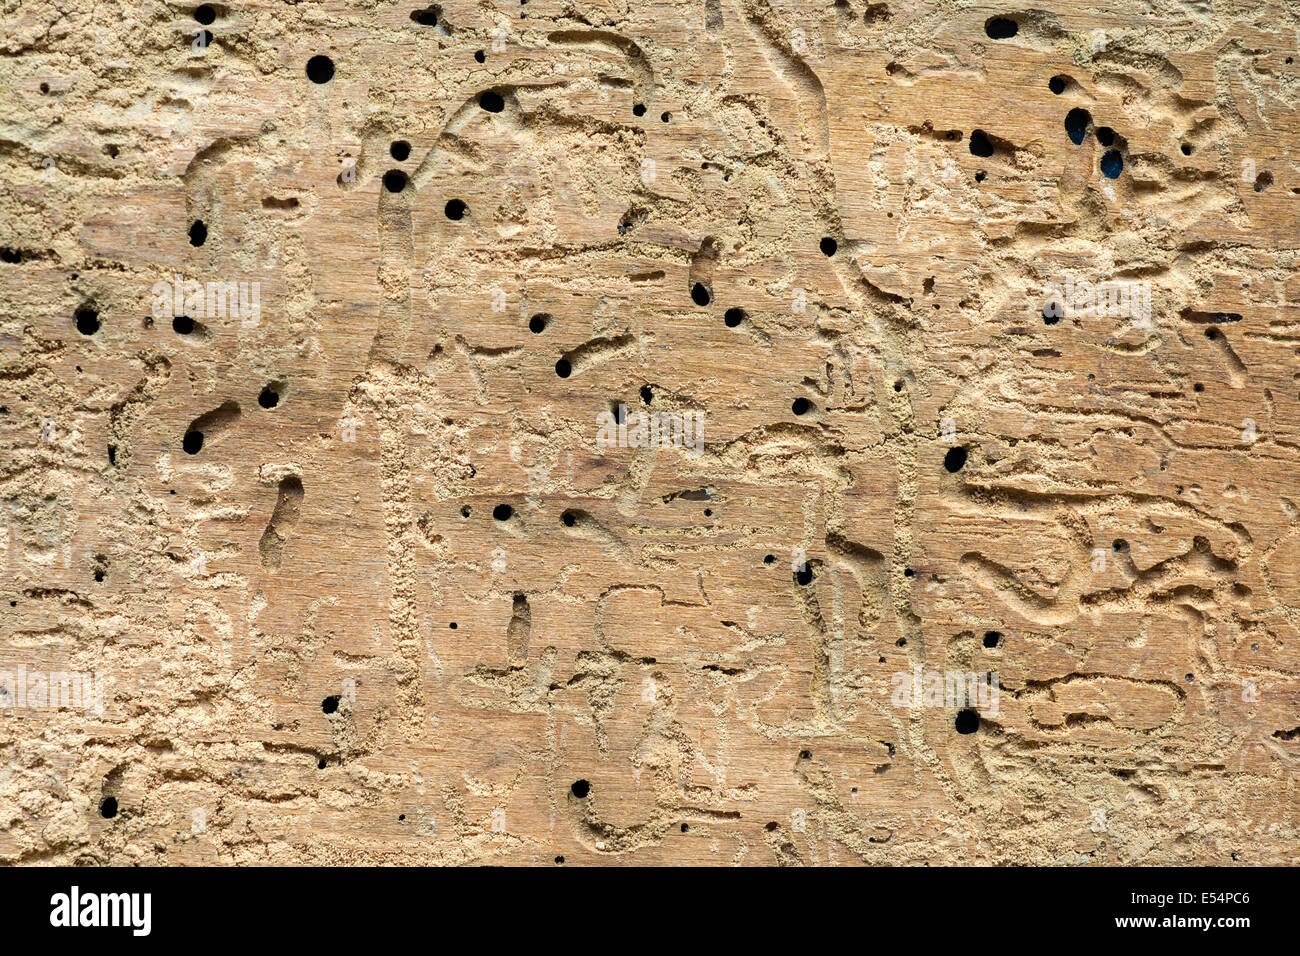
(970, 333)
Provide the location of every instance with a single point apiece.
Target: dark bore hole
(580, 789)
(205, 14)
(569, 519)
(991, 638)
(769, 559)
(87, 321)
(108, 809)
(491, 101)
(800, 406)
(480, 56)
(455, 209)
(12, 256)
(1187, 149)
(400, 150)
(198, 233)
(733, 317)
(563, 368)
(320, 764)
(502, 512)
(979, 143)
(828, 246)
(269, 397)
(394, 180)
(1057, 84)
(955, 459)
(1105, 136)
(1077, 122)
(700, 294)
(967, 722)
(647, 395)
(537, 324)
(638, 109)
(1001, 28)
(804, 575)
(1112, 164)
(320, 69)
(330, 704)
(182, 324)
(426, 18)
(192, 442)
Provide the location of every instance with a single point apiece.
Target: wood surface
(320, 641)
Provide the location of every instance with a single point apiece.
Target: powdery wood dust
(315, 329)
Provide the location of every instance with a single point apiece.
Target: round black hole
(1119, 545)
(828, 246)
(908, 572)
(192, 442)
(401, 816)
(400, 149)
(320, 69)
(967, 722)
(569, 519)
(1198, 387)
(979, 143)
(1112, 164)
(638, 109)
(108, 808)
(563, 368)
(804, 575)
(537, 324)
(1187, 149)
(45, 87)
(955, 459)
(991, 638)
(898, 386)
(491, 101)
(502, 512)
(1001, 28)
(1057, 84)
(733, 317)
(480, 56)
(769, 559)
(708, 512)
(685, 827)
(580, 789)
(700, 294)
(12, 256)
(87, 321)
(805, 755)
(800, 406)
(665, 117)
(1105, 136)
(205, 14)
(647, 395)
(426, 18)
(182, 324)
(981, 176)
(455, 209)
(1077, 122)
(559, 860)
(465, 511)
(198, 233)
(269, 397)
(1211, 333)
(99, 575)
(330, 704)
(394, 180)
(320, 764)
(452, 625)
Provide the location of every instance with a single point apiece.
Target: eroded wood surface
(316, 642)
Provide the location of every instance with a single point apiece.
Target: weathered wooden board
(970, 335)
